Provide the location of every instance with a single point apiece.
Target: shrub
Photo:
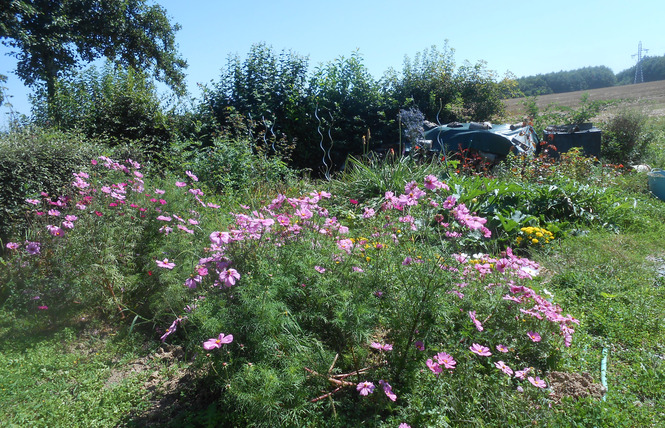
(625, 138)
(34, 160)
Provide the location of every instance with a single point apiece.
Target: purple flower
(419, 345)
(483, 351)
(319, 269)
(32, 248)
(404, 425)
(218, 342)
(501, 348)
(365, 388)
(388, 390)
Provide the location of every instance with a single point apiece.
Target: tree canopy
(52, 36)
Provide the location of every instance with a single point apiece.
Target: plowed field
(647, 96)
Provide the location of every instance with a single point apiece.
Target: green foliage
(113, 105)
(232, 161)
(50, 38)
(581, 79)
(31, 161)
(625, 137)
(562, 115)
(653, 69)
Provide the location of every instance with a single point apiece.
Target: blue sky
(523, 37)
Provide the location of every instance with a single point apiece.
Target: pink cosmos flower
(472, 315)
(446, 360)
(319, 269)
(229, 276)
(388, 390)
(42, 308)
(537, 382)
(54, 213)
(365, 388)
(165, 264)
(180, 184)
(419, 345)
(164, 218)
(160, 191)
(71, 218)
(483, 351)
(435, 367)
(357, 269)
(521, 374)
(213, 343)
(353, 201)
(504, 368)
(368, 212)
(381, 347)
(33, 201)
(67, 224)
(192, 176)
(13, 245)
(404, 425)
(501, 348)
(533, 336)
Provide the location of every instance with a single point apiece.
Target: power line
(639, 77)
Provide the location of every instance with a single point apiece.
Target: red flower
(353, 201)
(99, 214)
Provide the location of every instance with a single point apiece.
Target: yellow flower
(534, 240)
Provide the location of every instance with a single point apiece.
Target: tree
(53, 36)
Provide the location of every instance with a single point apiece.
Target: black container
(565, 137)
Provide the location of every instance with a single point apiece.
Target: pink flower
(435, 367)
(33, 201)
(446, 360)
(521, 374)
(537, 382)
(213, 343)
(67, 224)
(404, 425)
(192, 176)
(533, 336)
(483, 351)
(504, 368)
(388, 390)
(54, 213)
(319, 269)
(368, 212)
(159, 191)
(164, 218)
(180, 184)
(229, 276)
(501, 348)
(71, 218)
(419, 345)
(42, 308)
(353, 201)
(13, 245)
(165, 264)
(365, 388)
(381, 347)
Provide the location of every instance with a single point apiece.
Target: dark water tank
(565, 137)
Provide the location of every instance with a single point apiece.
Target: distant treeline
(653, 68)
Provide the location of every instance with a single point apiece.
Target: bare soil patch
(574, 385)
